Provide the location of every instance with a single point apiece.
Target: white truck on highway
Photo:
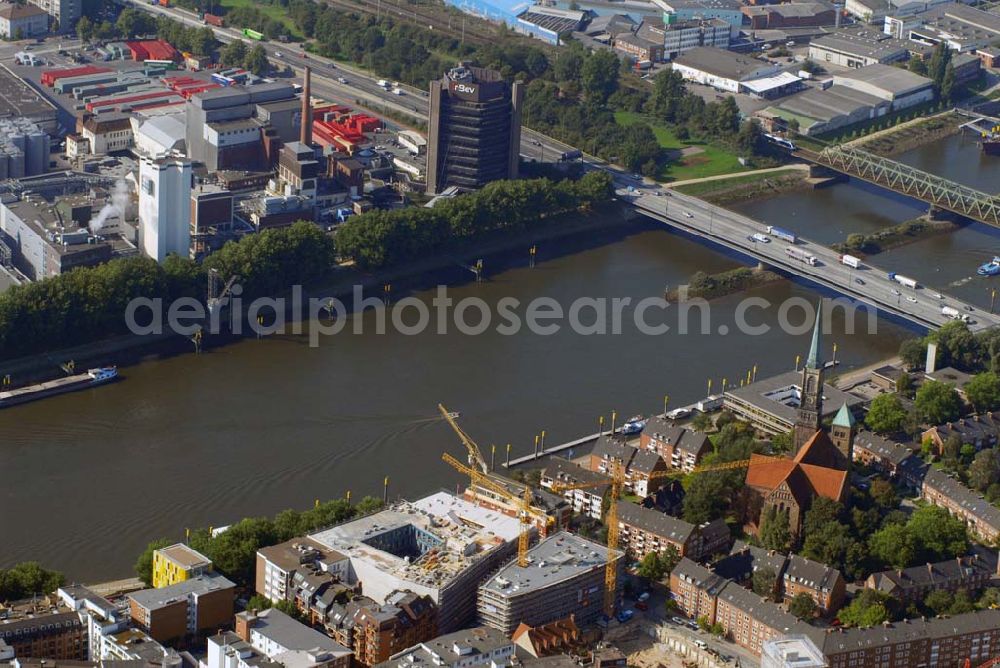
(954, 313)
(383, 83)
(801, 256)
(851, 261)
(903, 280)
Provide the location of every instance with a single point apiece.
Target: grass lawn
(711, 161)
(275, 11)
(709, 187)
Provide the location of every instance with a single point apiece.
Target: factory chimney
(306, 135)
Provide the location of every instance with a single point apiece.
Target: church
(820, 462)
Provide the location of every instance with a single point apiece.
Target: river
(258, 426)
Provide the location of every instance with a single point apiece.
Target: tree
(289, 608)
(775, 533)
(85, 29)
(820, 513)
(866, 610)
(938, 403)
(258, 602)
(599, 75)
(983, 391)
(893, 545)
(917, 66)
(883, 494)
(886, 415)
(144, 564)
(912, 352)
(984, 470)
(749, 138)
(233, 54)
(939, 535)
(802, 606)
(948, 83)
(657, 565)
(990, 598)
(938, 601)
(764, 582)
(904, 384)
(26, 579)
(256, 60)
(701, 421)
(368, 505)
(794, 127)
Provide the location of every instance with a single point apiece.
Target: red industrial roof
(152, 49)
(50, 77)
(115, 101)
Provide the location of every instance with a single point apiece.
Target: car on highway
(968, 308)
(912, 299)
(896, 292)
(938, 295)
(637, 177)
(277, 54)
(342, 80)
(859, 281)
(689, 214)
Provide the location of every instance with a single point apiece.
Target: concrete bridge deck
(868, 284)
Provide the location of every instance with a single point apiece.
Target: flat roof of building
(894, 80)
(451, 648)
(779, 395)
(153, 599)
(559, 557)
(184, 557)
(291, 634)
(862, 42)
(17, 98)
(957, 22)
(723, 63)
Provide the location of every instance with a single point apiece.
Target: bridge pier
(935, 212)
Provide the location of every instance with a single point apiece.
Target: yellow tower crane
(478, 476)
(617, 475)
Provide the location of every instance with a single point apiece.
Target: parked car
(642, 605)
(625, 615)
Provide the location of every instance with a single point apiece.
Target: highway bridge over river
(868, 284)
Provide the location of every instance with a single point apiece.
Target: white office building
(165, 207)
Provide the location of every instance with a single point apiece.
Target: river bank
(497, 250)
(898, 235)
(910, 135)
(748, 187)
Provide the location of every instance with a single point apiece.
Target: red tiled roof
(817, 469)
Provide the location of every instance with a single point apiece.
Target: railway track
(472, 33)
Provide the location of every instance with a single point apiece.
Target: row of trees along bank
(89, 303)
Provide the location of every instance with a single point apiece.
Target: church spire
(813, 361)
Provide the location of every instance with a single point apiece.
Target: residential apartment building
(880, 453)
(22, 21)
(679, 447)
(695, 589)
(108, 134)
(65, 12)
(101, 618)
(178, 563)
(980, 430)
(644, 530)
(969, 574)
(981, 517)
(469, 648)
(587, 501)
(639, 465)
(380, 631)
(278, 565)
(204, 602)
(286, 641)
(558, 637)
(42, 629)
(565, 575)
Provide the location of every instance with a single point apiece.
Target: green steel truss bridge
(910, 181)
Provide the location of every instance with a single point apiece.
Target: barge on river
(50, 388)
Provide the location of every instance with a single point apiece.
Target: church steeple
(811, 392)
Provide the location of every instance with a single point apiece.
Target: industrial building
(440, 546)
(961, 27)
(19, 100)
(721, 69)
(165, 207)
(681, 36)
(474, 129)
(858, 47)
(508, 12)
(901, 88)
(565, 576)
(790, 15)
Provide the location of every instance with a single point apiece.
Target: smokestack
(306, 135)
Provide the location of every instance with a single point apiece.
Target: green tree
(917, 66)
(893, 545)
(233, 54)
(802, 606)
(938, 403)
(886, 414)
(288, 607)
(764, 582)
(26, 579)
(938, 601)
(775, 533)
(749, 139)
(258, 602)
(256, 60)
(912, 352)
(599, 75)
(990, 598)
(657, 565)
(948, 83)
(866, 610)
(904, 384)
(820, 513)
(883, 494)
(984, 469)
(144, 564)
(85, 29)
(983, 391)
(939, 535)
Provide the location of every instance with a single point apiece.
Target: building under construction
(440, 546)
(565, 576)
